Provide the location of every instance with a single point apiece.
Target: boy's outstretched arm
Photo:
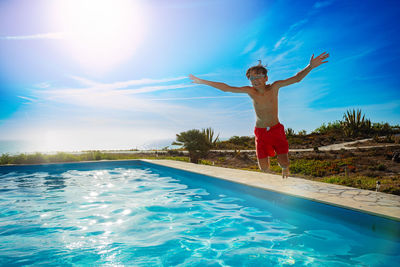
(314, 62)
(221, 86)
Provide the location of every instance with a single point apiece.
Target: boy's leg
(283, 160)
(263, 164)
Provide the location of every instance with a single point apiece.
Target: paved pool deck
(376, 203)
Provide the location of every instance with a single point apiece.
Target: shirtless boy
(269, 133)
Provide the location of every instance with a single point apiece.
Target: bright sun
(100, 34)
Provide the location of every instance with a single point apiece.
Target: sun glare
(100, 34)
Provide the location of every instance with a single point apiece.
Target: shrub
(332, 127)
(289, 132)
(205, 162)
(20, 159)
(62, 157)
(381, 167)
(352, 181)
(302, 133)
(5, 159)
(382, 128)
(242, 141)
(293, 140)
(319, 168)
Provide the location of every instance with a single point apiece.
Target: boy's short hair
(259, 69)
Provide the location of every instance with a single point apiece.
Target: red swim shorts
(270, 141)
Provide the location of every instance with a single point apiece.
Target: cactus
(355, 124)
(209, 134)
(289, 132)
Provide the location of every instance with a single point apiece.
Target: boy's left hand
(194, 79)
(315, 62)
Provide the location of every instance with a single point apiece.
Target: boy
(270, 135)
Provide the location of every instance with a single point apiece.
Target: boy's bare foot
(285, 173)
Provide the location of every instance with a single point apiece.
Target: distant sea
(13, 147)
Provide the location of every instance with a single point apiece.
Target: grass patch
(320, 168)
(206, 162)
(388, 184)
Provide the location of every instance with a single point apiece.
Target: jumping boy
(270, 135)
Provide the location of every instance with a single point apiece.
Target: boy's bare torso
(265, 105)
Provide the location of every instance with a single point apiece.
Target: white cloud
(198, 97)
(261, 53)
(290, 36)
(281, 56)
(107, 95)
(321, 4)
(114, 100)
(27, 98)
(298, 24)
(97, 102)
(52, 35)
(278, 44)
(355, 55)
(124, 84)
(149, 89)
(43, 85)
(250, 46)
(389, 106)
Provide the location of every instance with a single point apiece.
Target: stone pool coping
(375, 203)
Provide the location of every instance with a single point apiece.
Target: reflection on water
(125, 216)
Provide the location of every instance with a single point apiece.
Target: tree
(195, 142)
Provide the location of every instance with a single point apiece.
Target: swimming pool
(138, 213)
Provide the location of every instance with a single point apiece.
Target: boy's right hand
(194, 79)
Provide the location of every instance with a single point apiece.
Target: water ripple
(122, 216)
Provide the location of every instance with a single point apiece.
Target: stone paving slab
(376, 203)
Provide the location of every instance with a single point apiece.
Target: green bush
(5, 159)
(237, 142)
(381, 167)
(62, 157)
(205, 162)
(319, 168)
(302, 133)
(36, 158)
(362, 182)
(332, 127)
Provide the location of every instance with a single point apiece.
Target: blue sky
(113, 74)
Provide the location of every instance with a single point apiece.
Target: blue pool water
(134, 213)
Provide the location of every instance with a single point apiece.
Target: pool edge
(291, 188)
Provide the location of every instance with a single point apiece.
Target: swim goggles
(252, 78)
